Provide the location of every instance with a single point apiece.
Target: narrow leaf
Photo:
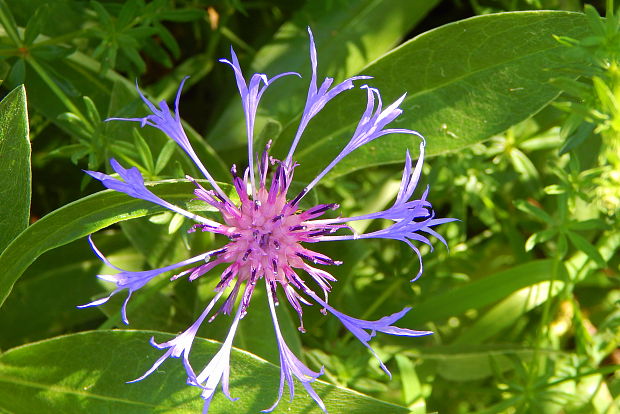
(585, 246)
(482, 292)
(14, 166)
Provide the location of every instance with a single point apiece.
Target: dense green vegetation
(521, 114)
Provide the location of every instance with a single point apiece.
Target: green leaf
(164, 156)
(86, 372)
(540, 237)
(35, 24)
(91, 111)
(470, 363)
(255, 334)
(8, 23)
(14, 166)
(17, 74)
(506, 313)
(412, 388)
(523, 165)
(535, 211)
(465, 82)
(129, 11)
(183, 15)
(81, 218)
(144, 151)
(152, 240)
(590, 224)
(577, 137)
(585, 246)
(482, 292)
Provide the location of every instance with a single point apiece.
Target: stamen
(220, 251)
(264, 240)
(321, 232)
(272, 286)
(299, 197)
(322, 208)
(306, 257)
(219, 197)
(247, 295)
(226, 278)
(247, 253)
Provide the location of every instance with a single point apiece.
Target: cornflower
(268, 233)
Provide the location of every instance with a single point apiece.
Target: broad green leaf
(506, 313)
(14, 166)
(79, 219)
(470, 363)
(482, 292)
(465, 82)
(86, 372)
(347, 39)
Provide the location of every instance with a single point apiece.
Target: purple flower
(269, 234)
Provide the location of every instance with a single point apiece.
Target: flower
(268, 232)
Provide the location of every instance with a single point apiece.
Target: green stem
(60, 39)
(9, 24)
(387, 293)
(54, 87)
(609, 369)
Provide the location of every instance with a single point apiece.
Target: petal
(290, 365)
(358, 327)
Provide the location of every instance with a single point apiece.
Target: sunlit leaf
(14, 166)
(86, 372)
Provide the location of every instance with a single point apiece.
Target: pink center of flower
(266, 232)
(266, 236)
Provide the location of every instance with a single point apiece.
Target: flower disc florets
(268, 232)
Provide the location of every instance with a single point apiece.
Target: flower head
(269, 235)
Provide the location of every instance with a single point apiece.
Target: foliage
(521, 112)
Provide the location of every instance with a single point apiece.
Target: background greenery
(521, 112)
